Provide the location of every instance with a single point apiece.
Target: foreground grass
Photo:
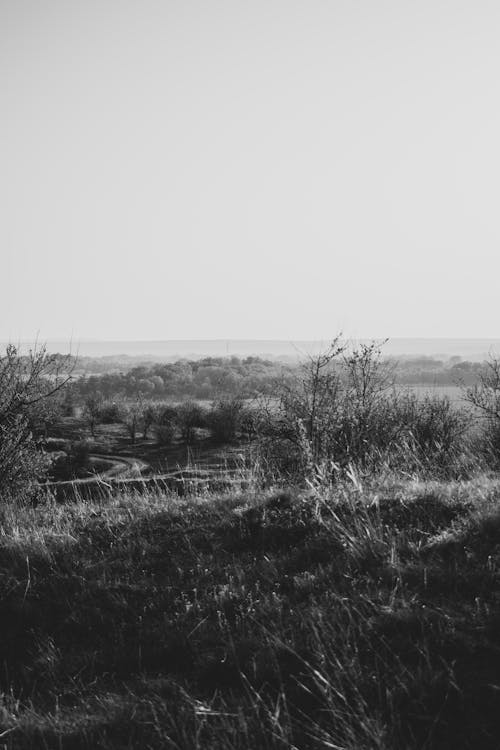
(348, 618)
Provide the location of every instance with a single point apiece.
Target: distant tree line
(430, 371)
(220, 377)
(209, 378)
(336, 410)
(224, 419)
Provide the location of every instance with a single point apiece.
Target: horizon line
(60, 339)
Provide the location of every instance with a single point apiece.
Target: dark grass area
(342, 619)
(113, 439)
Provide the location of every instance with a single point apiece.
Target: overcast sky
(258, 169)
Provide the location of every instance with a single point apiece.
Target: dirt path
(120, 467)
(198, 469)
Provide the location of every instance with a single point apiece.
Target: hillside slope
(350, 618)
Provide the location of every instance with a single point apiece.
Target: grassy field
(113, 439)
(348, 617)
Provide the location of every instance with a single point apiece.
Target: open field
(352, 618)
(320, 573)
(453, 392)
(249, 375)
(113, 440)
(146, 458)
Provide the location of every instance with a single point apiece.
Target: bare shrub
(429, 436)
(485, 394)
(26, 382)
(329, 411)
(131, 416)
(165, 433)
(341, 410)
(484, 397)
(149, 417)
(73, 462)
(92, 410)
(110, 412)
(166, 424)
(190, 416)
(224, 419)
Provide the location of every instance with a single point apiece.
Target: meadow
(351, 616)
(336, 587)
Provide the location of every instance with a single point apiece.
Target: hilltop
(347, 616)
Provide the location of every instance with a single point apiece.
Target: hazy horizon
(266, 170)
(472, 349)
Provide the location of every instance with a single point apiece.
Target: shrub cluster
(225, 420)
(342, 409)
(337, 410)
(71, 462)
(29, 385)
(208, 378)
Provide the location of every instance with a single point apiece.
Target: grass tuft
(347, 616)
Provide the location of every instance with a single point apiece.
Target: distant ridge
(472, 349)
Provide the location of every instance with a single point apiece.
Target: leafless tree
(485, 394)
(330, 408)
(149, 417)
(92, 410)
(131, 416)
(26, 382)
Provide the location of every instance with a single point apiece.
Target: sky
(273, 169)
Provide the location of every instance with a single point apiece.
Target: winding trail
(120, 467)
(132, 473)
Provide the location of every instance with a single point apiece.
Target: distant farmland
(454, 392)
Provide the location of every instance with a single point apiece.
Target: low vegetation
(339, 591)
(345, 617)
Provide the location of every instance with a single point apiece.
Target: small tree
(110, 412)
(224, 418)
(46, 414)
(137, 416)
(149, 417)
(26, 382)
(165, 434)
(131, 416)
(190, 416)
(166, 425)
(365, 419)
(331, 409)
(92, 410)
(296, 431)
(484, 396)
